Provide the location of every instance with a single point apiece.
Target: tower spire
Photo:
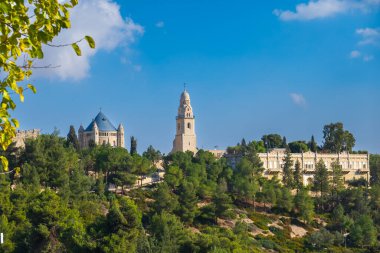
(185, 138)
(184, 86)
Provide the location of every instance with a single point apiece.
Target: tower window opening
(189, 125)
(178, 126)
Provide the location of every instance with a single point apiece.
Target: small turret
(95, 129)
(120, 136)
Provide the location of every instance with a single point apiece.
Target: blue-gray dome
(102, 122)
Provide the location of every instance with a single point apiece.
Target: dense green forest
(58, 202)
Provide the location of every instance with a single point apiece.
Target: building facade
(22, 135)
(101, 132)
(185, 138)
(354, 166)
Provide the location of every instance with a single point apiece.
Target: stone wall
(22, 135)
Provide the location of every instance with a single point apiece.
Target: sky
(251, 68)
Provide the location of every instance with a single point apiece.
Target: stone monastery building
(354, 166)
(101, 131)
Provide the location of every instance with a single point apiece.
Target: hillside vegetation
(59, 203)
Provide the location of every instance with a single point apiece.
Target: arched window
(189, 125)
(178, 126)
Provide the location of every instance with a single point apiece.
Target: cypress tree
(284, 142)
(312, 144)
(298, 184)
(133, 146)
(72, 138)
(243, 142)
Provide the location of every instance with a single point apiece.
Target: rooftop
(102, 122)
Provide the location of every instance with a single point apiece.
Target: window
(188, 125)
(178, 126)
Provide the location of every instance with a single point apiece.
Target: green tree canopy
(272, 140)
(72, 138)
(298, 147)
(336, 139)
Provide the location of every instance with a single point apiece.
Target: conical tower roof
(102, 122)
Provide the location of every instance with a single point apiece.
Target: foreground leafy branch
(24, 29)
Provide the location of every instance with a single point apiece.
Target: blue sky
(286, 67)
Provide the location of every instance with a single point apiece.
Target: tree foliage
(298, 147)
(287, 170)
(272, 141)
(336, 139)
(72, 138)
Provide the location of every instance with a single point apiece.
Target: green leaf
(74, 2)
(32, 88)
(16, 123)
(90, 41)
(4, 162)
(76, 49)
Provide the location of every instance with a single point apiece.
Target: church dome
(102, 122)
(185, 96)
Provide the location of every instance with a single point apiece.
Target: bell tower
(185, 138)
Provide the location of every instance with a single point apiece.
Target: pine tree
(222, 200)
(72, 138)
(304, 205)
(287, 178)
(133, 145)
(165, 199)
(298, 182)
(188, 202)
(284, 199)
(337, 183)
(339, 221)
(321, 182)
(363, 232)
(321, 178)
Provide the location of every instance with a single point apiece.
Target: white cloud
(368, 32)
(367, 58)
(160, 24)
(369, 36)
(298, 99)
(100, 19)
(355, 54)
(318, 9)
